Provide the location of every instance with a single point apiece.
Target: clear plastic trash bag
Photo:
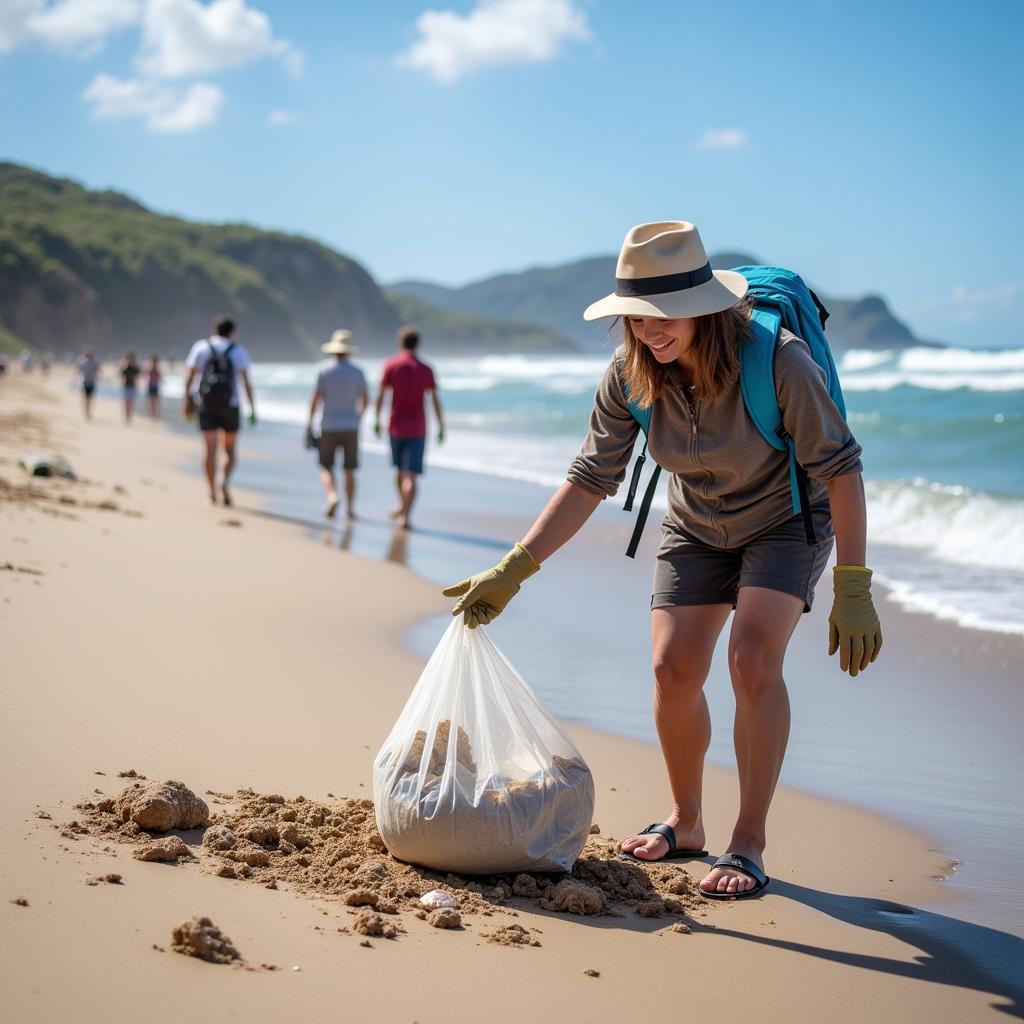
(477, 777)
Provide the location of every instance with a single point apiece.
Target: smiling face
(667, 340)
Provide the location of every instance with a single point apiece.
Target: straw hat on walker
(663, 271)
(339, 344)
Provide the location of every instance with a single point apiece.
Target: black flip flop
(744, 866)
(673, 854)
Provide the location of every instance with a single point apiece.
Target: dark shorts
(88, 389)
(407, 453)
(332, 440)
(153, 392)
(689, 572)
(226, 421)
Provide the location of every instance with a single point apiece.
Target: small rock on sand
(219, 838)
(359, 898)
(373, 924)
(161, 806)
(572, 897)
(511, 935)
(591, 973)
(682, 929)
(595, 829)
(200, 937)
(444, 917)
(170, 849)
(20, 902)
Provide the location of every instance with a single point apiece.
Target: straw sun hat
(663, 271)
(339, 344)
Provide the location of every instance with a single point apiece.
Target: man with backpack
(215, 367)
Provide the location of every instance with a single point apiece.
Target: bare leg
(327, 480)
(765, 620)
(88, 406)
(397, 511)
(683, 641)
(230, 440)
(407, 490)
(350, 493)
(210, 461)
(129, 405)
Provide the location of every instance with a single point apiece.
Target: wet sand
(143, 629)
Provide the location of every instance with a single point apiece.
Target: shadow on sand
(953, 952)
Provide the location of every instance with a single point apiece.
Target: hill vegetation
(84, 267)
(557, 296)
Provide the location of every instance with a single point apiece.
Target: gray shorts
(332, 440)
(689, 572)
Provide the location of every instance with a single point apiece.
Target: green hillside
(83, 267)
(557, 296)
(471, 334)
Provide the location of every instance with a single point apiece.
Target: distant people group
(341, 398)
(217, 372)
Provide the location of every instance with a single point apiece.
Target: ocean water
(942, 432)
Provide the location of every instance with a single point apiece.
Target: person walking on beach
(89, 370)
(341, 392)
(154, 378)
(729, 542)
(130, 373)
(409, 380)
(215, 367)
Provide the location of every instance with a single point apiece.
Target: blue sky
(874, 147)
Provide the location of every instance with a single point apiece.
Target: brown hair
(408, 337)
(714, 354)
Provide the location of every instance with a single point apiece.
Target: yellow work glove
(484, 596)
(853, 627)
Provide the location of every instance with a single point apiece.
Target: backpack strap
(643, 416)
(757, 384)
(645, 505)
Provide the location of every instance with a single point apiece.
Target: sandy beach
(143, 630)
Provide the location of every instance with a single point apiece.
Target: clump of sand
(161, 806)
(169, 849)
(439, 751)
(573, 897)
(333, 851)
(370, 924)
(200, 937)
(511, 935)
(444, 917)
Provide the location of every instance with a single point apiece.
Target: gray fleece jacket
(727, 484)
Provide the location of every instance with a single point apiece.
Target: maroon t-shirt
(409, 380)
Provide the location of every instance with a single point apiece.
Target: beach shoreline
(279, 671)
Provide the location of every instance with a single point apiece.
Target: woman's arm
(849, 517)
(569, 508)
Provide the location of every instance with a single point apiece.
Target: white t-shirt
(200, 353)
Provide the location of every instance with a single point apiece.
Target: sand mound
(444, 917)
(370, 924)
(170, 848)
(572, 897)
(333, 851)
(199, 936)
(161, 806)
(511, 935)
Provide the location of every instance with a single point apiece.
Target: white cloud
(493, 33)
(279, 118)
(186, 37)
(71, 25)
(164, 108)
(15, 16)
(723, 138)
(972, 304)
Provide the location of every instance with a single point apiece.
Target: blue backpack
(781, 299)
